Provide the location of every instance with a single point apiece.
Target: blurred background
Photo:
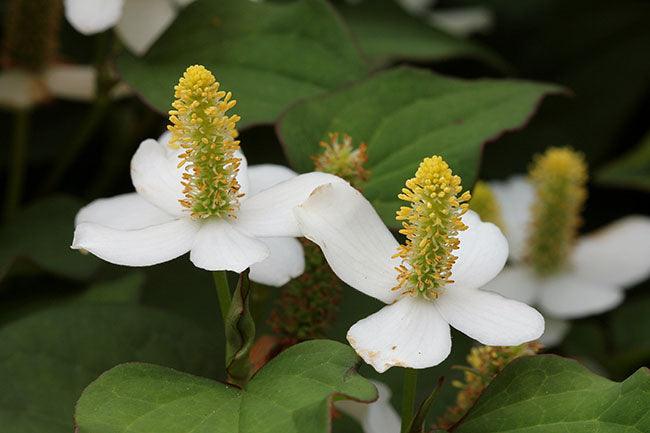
(70, 126)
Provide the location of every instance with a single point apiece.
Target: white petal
(482, 253)
(141, 247)
(286, 261)
(376, 417)
(143, 22)
(515, 198)
(74, 82)
(571, 296)
(267, 175)
(409, 333)
(618, 254)
(93, 16)
(270, 212)
(489, 318)
(220, 246)
(356, 243)
(416, 6)
(555, 331)
(516, 282)
(156, 176)
(123, 212)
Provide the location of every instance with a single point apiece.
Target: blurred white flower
(413, 330)
(462, 21)
(150, 226)
(601, 265)
(139, 23)
(376, 417)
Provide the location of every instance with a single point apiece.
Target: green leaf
(126, 289)
(546, 393)
(629, 326)
(632, 170)
(47, 359)
(386, 32)
(417, 425)
(42, 234)
(267, 54)
(292, 393)
(407, 114)
(240, 333)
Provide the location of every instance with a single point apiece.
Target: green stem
(408, 397)
(16, 167)
(223, 292)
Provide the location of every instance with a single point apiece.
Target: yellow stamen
(485, 204)
(342, 159)
(201, 127)
(431, 224)
(559, 177)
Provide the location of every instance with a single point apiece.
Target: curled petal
(156, 176)
(409, 333)
(270, 212)
(571, 296)
(220, 246)
(618, 254)
(482, 253)
(123, 212)
(286, 261)
(93, 16)
(140, 247)
(489, 318)
(356, 243)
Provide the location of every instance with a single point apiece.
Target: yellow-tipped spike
(431, 224)
(201, 127)
(340, 158)
(485, 204)
(559, 176)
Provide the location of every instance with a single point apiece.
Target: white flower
(602, 264)
(139, 23)
(412, 331)
(150, 226)
(376, 417)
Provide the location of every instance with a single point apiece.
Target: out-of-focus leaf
(632, 170)
(240, 333)
(387, 33)
(47, 359)
(406, 114)
(42, 234)
(540, 394)
(123, 290)
(629, 327)
(292, 393)
(268, 54)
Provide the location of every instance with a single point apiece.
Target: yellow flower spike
(340, 158)
(201, 127)
(485, 204)
(484, 363)
(559, 177)
(431, 224)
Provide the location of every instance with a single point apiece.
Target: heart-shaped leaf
(546, 393)
(268, 54)
(292, 393)
(47, 358)
(406, 114)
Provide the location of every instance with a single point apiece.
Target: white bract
(376, 417)
(601, 265)
(139, 23)
(150, 226)
(413, 329)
